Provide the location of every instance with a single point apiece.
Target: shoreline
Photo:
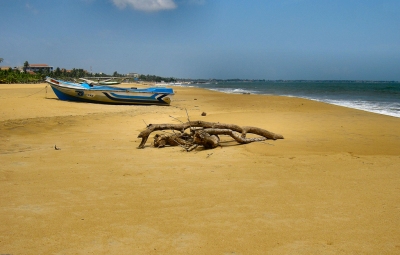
(244, 92)
(377, 97)
(331, 186)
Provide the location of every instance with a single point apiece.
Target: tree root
(203, 133)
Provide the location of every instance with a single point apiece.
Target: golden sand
(332, 186)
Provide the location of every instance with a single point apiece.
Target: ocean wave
(390, 109)
(235, 91)
(372, 97)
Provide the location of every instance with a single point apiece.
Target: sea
(371, 96)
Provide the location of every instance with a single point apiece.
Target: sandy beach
(332, 186)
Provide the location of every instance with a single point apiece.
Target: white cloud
(146, 5)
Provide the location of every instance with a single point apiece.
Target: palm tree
(26, 65)
(57, 72)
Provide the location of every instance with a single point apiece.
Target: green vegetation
(16, 76)
(155, 78)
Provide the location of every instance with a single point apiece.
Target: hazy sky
(248, 39)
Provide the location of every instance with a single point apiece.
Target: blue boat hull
(110, 95)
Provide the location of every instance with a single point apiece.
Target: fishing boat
(84, 92)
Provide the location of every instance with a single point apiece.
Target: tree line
(16, 76)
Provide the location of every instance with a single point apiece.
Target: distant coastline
(284, 81)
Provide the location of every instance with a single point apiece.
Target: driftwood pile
(202, 133)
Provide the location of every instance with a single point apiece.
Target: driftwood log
(202, 133)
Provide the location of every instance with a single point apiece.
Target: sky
(202, 39)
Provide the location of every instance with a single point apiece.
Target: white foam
(235, 91)
(392, 109)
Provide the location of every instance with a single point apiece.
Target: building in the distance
(37, 68)
(134, 75)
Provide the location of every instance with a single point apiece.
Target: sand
(332, 186)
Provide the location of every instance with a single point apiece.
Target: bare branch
(212, 129)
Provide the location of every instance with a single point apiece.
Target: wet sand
(332, 186)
